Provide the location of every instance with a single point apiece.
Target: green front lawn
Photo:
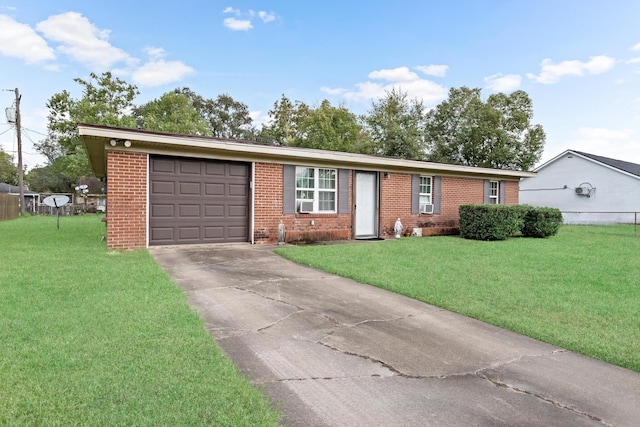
(579, 290)
(95, 337)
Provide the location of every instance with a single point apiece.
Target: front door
(366, 197)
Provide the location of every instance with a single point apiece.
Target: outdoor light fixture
(114, 142)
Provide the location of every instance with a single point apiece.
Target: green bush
(489, 222)
(541, 222)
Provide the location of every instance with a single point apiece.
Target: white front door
(366, 205)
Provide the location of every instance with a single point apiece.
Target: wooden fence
(9, 208)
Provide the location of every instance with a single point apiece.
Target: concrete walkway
(333, 352)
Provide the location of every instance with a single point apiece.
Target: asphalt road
(332, 352)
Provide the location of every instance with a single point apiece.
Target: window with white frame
(494, 192)
(426, 191)
(316, 190)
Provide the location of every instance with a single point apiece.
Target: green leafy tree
(105, 101)
(330, 128)
(227, 118)
(8, 171)
(173, 112)
(395, 124)
(497, 133)
(285, 120)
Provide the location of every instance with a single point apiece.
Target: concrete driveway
(333, 352)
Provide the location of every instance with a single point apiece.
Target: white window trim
(428, 195)
(495, 197)
(317, 190)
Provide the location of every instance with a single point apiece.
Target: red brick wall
(126, 200)
(268, 202)
(395, 202)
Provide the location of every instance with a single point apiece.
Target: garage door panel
(212, 189)
(237, 211)
(164, 166)
(237, 190)
(162, 211)
(189, 211)
(189, 189)
(163, 187)
(216, 169)
(198, 201)
(214, 211)
(188, 167)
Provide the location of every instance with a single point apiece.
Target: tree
(105, 101)
(8, 171)
(227, 118)
(496, 134)
(396, 126)
(173, 112)
(285, 119)
(330, 128)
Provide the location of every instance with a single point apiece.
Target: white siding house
(588, 189)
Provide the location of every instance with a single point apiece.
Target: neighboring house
(166, 189)
(31, 198)
(588, 189)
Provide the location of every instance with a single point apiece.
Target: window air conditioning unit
(426, 209)
(305, 206)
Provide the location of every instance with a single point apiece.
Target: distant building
(31, 198)
(587, 188)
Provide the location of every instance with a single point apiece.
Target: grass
(579, 290)
(97, 337)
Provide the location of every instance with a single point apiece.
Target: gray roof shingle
(632, 168)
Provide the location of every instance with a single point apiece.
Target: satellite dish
(56, 201)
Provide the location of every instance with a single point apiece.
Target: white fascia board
(293, 154)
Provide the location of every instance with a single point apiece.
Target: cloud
(157, 71)
(237, 24)
(21, 41)
(618, 144)
(396, 78)
(433, 70)
(82, 41)
(243, 22)
(636, 47)
(266, 17)
(503, 83)
(552, 73)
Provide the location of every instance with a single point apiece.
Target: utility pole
(19, 135)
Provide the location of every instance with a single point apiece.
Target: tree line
(464, 129)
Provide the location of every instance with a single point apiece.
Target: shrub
(541, 222)
(489, 222)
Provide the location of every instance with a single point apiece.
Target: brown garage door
(198, 201)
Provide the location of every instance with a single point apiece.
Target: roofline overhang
(96, 140)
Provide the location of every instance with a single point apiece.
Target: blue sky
(579, 60)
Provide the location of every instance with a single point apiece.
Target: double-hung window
(316, 190)
(426, 194)
(494, 192)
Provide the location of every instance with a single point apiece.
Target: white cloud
(503, 83)
(400, 78)
(21, 41)
(433, 70)
(618, 144)
(82, 41)
(238, 24)
(266, 17)
(552, 73)
(633, 61)
(157, 71)
(333, 91)
(244, 20)
(636, 47)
